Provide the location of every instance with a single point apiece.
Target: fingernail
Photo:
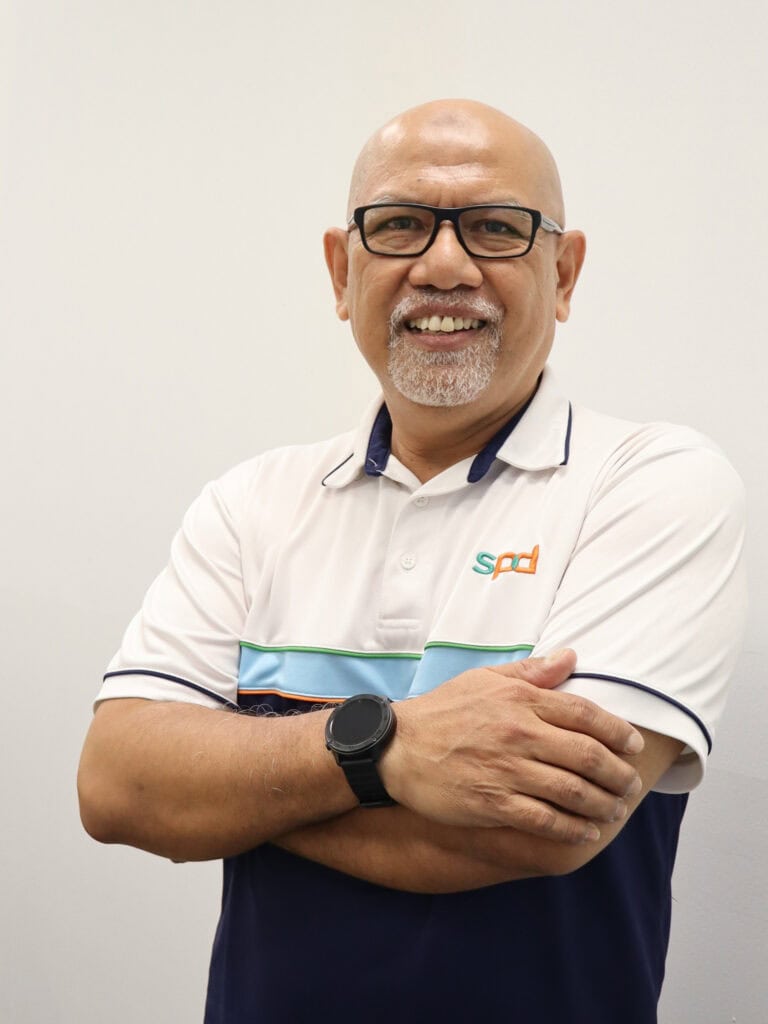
(634, 744)
(620, 812)
(637, 785)
(591, 833)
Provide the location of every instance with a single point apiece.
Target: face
(446, 329)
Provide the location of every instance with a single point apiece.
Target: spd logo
(490, 565)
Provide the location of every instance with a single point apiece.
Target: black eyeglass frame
(452, 214)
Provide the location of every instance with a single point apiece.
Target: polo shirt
(315, 572)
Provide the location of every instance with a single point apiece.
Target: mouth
(443, 324)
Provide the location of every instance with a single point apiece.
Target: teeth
(444, 324)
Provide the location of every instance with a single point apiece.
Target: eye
(394, 221)
(401, 223)
(397, 230)
(497, 227)
(497, 230)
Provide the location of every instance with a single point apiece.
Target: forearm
(396, 848)
(189, 783)
(399, 849)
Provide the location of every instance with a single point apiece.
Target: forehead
(453, 161)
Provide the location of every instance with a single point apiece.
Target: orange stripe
(296, 696)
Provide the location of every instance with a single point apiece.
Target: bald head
(451, 140)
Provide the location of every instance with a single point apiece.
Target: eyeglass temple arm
(551, 225)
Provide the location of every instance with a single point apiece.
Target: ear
(336, 246)
(571, 250)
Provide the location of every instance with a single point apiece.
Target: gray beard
(442, 378)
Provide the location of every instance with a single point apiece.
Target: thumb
(546, 672)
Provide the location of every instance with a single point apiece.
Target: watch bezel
(369, 743)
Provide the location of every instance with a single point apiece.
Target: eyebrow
(390, 200)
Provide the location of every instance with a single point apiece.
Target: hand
(497, 747)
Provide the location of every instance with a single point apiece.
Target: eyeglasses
(487, 232)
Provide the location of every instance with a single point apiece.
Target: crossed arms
(497, 776)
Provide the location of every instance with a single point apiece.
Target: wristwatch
(356, 733)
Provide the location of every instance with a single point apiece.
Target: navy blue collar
(380, 444)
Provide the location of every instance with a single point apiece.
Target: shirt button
(422, 501)
(408, 561)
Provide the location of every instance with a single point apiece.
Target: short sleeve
(653, 600)
(183, 645)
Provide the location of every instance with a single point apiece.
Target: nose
(445, 264)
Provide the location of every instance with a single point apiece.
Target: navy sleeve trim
(655, 693)
(172, 679)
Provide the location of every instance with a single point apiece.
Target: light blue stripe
(329, 676)
(324, 676)
(442, 663)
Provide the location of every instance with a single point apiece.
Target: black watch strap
(357, 731)
(365, 783)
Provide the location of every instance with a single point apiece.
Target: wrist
(392, 763)
(357, 733)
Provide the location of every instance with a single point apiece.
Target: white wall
(165, 313)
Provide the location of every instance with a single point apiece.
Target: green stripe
(395, 654)
(479, 647)
(332, 650)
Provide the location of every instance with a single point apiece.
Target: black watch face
(360, 722)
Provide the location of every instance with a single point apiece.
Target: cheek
(529, 322)
(369, 321)
(370, 296)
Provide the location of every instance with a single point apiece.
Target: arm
(689, 530)
(694, 575)
(396, 848)
(492, 747)
(190, 783)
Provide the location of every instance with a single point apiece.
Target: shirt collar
(537, 437)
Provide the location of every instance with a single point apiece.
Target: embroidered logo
(490, 565)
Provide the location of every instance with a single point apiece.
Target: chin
(441, 379)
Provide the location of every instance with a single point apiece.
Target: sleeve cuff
(151, 685)
(651, 709)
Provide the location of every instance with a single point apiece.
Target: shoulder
(282, 468)
(594, 429)
(267, 489)
(665, 461)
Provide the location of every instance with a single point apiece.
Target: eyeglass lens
(487, 231)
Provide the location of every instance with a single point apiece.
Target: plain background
(167, 170)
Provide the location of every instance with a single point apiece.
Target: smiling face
(447, 329)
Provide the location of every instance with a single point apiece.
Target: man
(473, 519)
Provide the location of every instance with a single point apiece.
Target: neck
(428, 440)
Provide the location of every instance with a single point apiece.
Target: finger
(537, 818)
(577, 714)
(590, 760)
(546, 672)
(566, 791)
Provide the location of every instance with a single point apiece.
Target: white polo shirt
(311, 573)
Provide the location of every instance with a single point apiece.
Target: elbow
(116, 811)
(97, 810)
(96, 825)
(105, 796)
(106, 787)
